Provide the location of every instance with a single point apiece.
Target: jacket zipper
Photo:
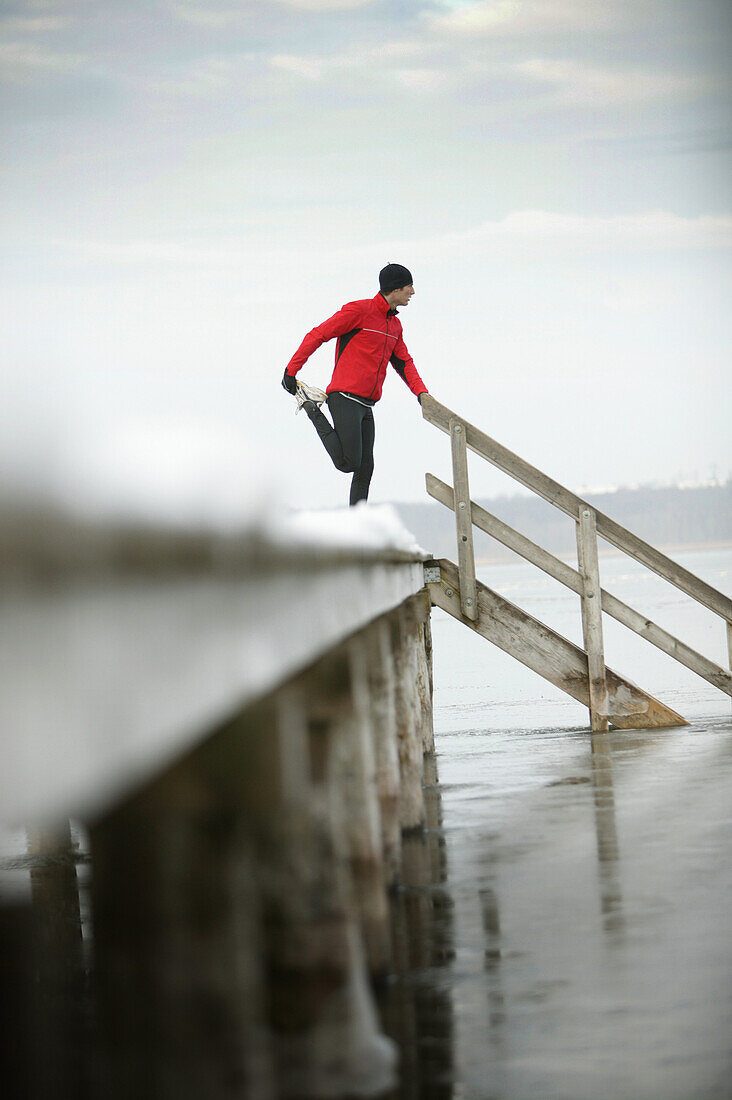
(386, 341)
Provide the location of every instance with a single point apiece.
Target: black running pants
(349, 440)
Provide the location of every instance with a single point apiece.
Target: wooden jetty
(242, 726)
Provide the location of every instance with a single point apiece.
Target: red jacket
(369, 338)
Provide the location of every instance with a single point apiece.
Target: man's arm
(341, 322)
(403, 364)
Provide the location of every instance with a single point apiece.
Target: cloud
(147, 252)
(525, 236)
(208, 76)
(22, 59)
(32, 24)
(214, 14)
(308, 67)
(226, 13)
(573, 82)
(459, 63)
(419, 79)
(367, 67)
(325, 5)
(654, 230)
(520, 236)
(501, 17)
(531, 85)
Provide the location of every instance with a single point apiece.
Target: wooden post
(317, 874)
(362, 817)
(382, 691)
(463, 521)
(729, 642)
(60, 992)
(409, 713)
(423, 644)
(23, 1039)
(592, 618)
(429, 657)
(177, 938)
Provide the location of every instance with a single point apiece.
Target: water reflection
(492, 933)
(438, 1046)
(416, 1004)
(608, 854)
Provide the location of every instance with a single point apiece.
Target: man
(369, 336)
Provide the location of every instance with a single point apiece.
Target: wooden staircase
(581, 673)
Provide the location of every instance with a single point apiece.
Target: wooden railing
(585, 580)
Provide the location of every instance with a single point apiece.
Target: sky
(189, 186)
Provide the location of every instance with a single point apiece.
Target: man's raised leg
(342, 442)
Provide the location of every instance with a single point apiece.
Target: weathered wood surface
(244, 732)
(546, 487)
(592, 618)
(200, 637)
(566, 575)
(178, 965)
(244, 892)
(361, 808)
(423, 630)
(551, 655)
(324, 892)
(463, 521)
(56, 956)
(382, 699)
(406, 639)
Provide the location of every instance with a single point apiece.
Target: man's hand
(290, 383)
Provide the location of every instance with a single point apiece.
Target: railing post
(729, 642)
(463, 521)
(592, 618)
(58, 992)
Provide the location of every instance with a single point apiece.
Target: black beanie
(394, 276)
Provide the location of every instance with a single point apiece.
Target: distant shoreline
(679, 520)
(606, 552)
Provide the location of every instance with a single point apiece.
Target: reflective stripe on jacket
(369, 338)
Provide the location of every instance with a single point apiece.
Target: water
(585, 885)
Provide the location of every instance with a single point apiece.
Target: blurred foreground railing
(241, 728)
